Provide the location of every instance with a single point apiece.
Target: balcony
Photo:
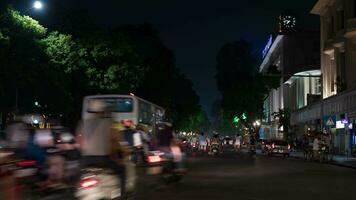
(341, 103)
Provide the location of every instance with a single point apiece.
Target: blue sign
(329, 121)
(345, 121)
(268, 46)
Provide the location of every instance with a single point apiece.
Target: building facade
(336, 113)
(296, 54)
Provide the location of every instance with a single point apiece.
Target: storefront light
(339, 125)
(345, 121)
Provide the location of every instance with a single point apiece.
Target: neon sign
(268, 46)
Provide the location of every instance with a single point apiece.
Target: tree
(163, 82)
(61, 68)
(236, 79)
(20, 58)
(283, 117)
(242, 87)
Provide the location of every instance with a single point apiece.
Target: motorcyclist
(69, 150)
(100, 143)
(143, 135)
(202, 142)
(127, 143)
(193, 141)
(215, 140)
(237, 142)
(168, 144)
(252, 144)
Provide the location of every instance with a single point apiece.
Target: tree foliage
(57, 69)
(242, 87)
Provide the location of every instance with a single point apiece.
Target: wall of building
(338, 46)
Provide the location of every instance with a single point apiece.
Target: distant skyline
(195, 30)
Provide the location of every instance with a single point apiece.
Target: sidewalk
(339, 160)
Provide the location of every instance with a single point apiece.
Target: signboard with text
(268, 46)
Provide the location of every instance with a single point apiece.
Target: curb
(328, 163)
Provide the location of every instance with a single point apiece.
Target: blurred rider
(168, 144)
(202, 142)
(193, 141)
(100, 143)
(127, 143)
(215, 140)
(237, 142)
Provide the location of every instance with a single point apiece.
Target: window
(145, 113)
(110, 104)
(343, 66)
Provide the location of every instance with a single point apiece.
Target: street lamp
(37, 5)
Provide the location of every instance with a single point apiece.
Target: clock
(287, 22)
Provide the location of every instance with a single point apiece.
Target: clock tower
(287, 22)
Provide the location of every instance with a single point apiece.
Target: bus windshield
(113, 104)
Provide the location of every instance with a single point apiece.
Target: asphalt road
(240, 176)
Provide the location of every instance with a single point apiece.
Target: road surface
(240, 176)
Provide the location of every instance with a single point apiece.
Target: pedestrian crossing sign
(330, 121)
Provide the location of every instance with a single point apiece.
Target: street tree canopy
(242, 87)
(58, 69)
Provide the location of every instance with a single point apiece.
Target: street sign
(329, 121)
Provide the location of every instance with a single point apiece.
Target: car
(261, 143)
(279, 147)
(228, 141)
(265, 145)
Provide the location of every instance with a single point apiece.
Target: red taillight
(26, 163)
(273, 146)
(89, 183)
(288, 146)
(153, 159)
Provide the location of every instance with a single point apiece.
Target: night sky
(195, 29)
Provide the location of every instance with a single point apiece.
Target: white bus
(126, 107)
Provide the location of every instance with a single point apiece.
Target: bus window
(145, 113)
(114, 104)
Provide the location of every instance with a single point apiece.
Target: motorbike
(138, 156)
(323, 153)
(215, 148)
(164, 165)
(98, 183)
(194, 148)
(252, 150)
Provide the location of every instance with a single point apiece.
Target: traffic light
(236, 120)
(244, 117)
